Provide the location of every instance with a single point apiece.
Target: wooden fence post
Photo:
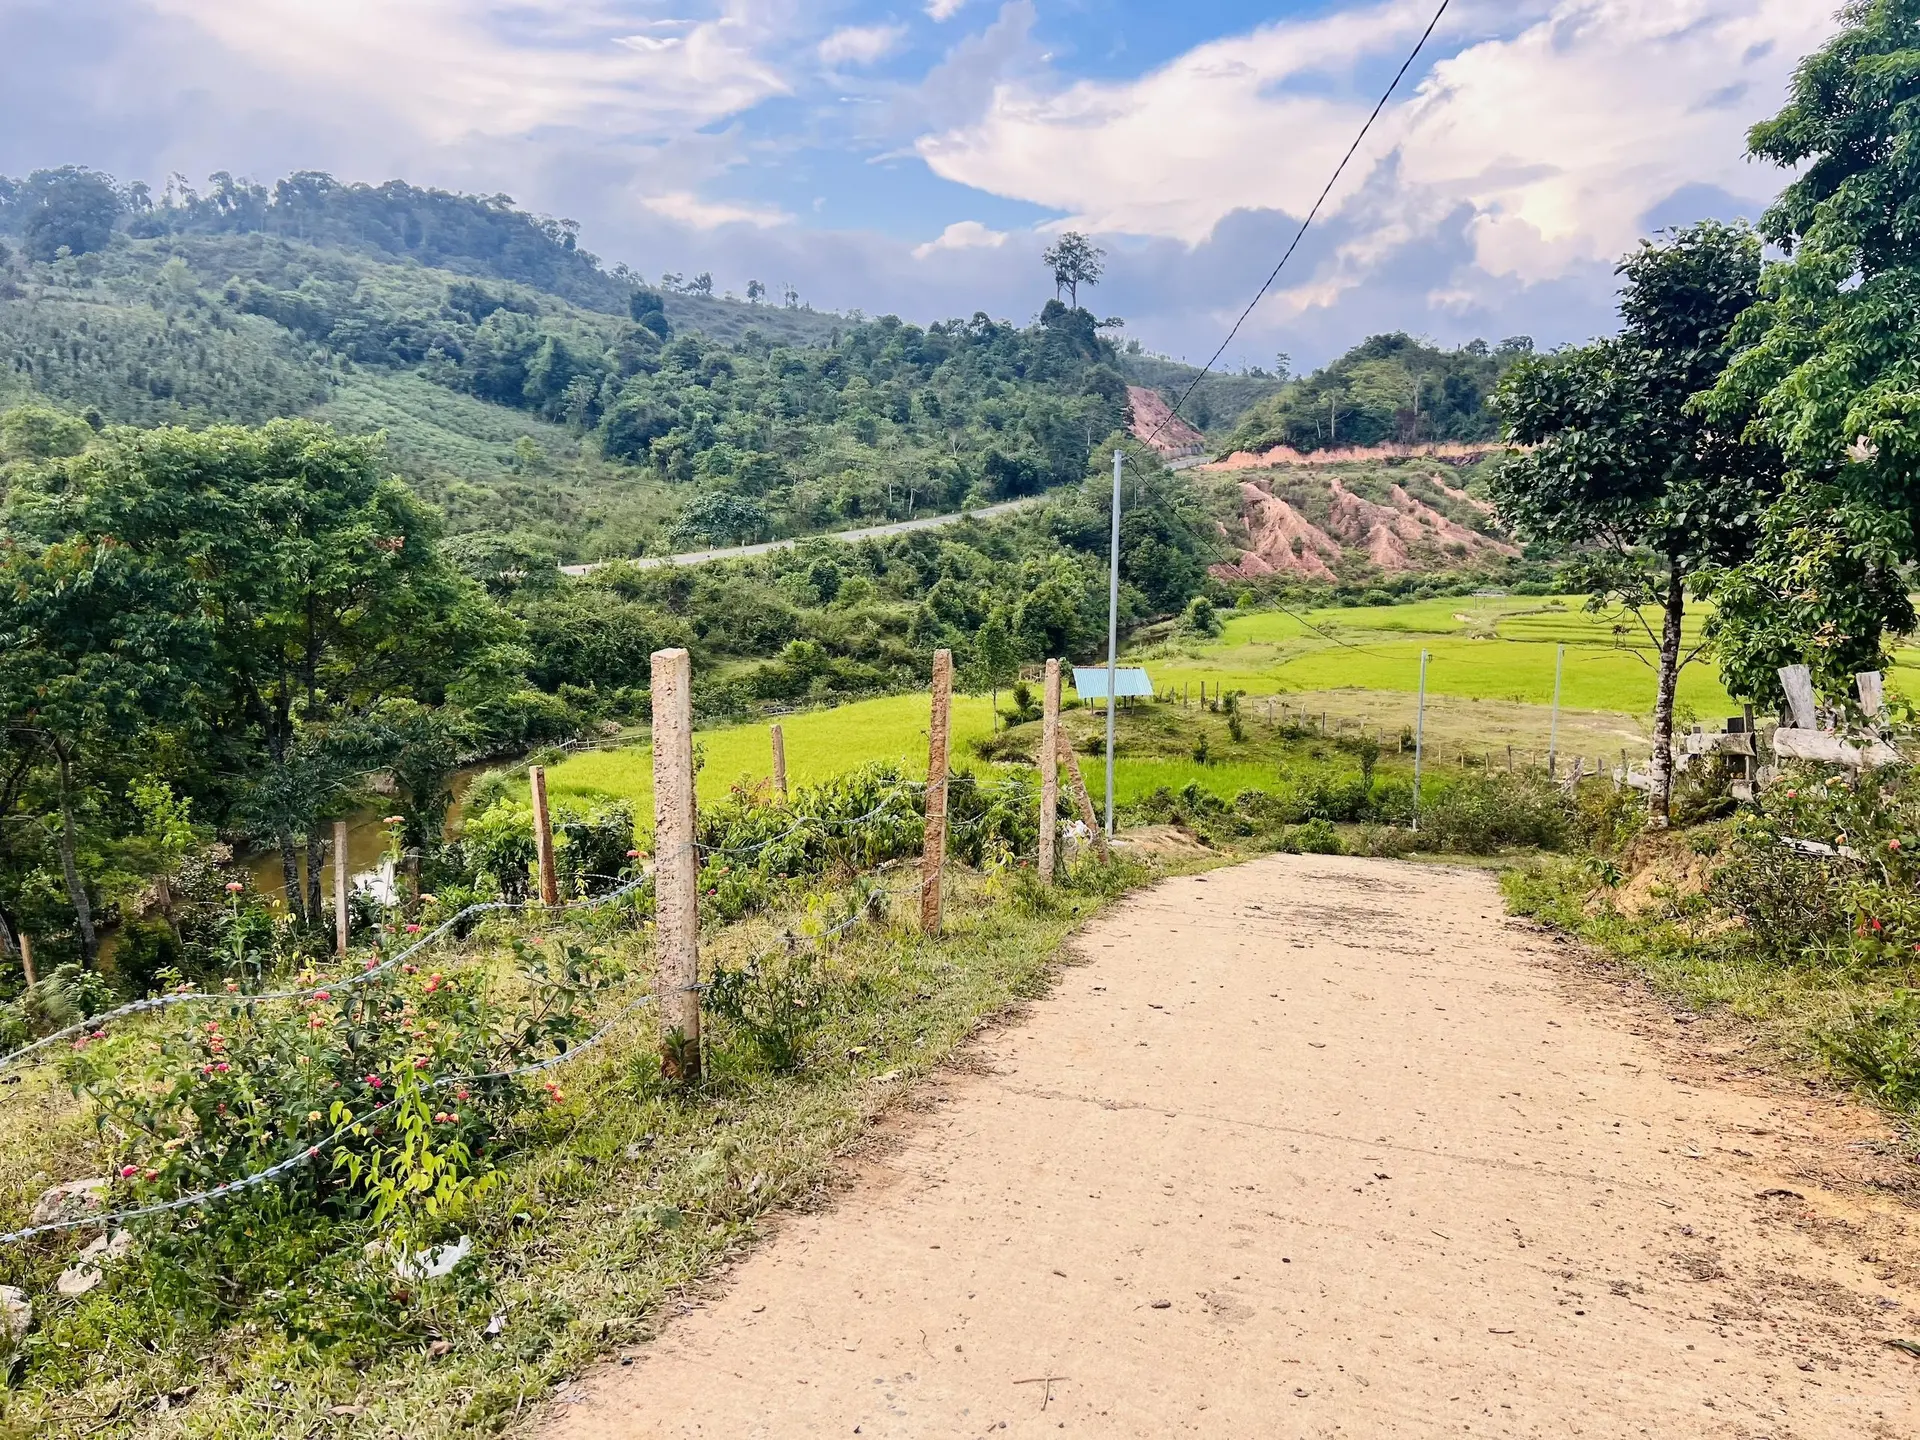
(1049, 770)
(676, 866)
(1081, 798)
(780, 764)
(340, 888)
(933, 854)
(543, 836)
(26, 959)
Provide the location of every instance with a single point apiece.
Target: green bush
(1315, 837)
(1880, 1049)
(1481, 814)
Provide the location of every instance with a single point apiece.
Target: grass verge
(617, 1198)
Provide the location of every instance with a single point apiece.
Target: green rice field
(1479, 649)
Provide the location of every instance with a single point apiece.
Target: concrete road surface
(1322, 1147)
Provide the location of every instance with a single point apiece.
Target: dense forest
(1389, 389)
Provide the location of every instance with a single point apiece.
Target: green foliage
(1387, 389)
(1826, 373)
(1485, 814)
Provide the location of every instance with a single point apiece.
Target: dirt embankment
(1285, 455)
(1155, 425)
(1407, 534)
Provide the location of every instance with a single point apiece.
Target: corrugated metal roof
(1090, 682)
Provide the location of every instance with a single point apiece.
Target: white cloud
(1559, 135)
(861, 44)
(962, 235)
(453, 69)
(944, 9)
(690, 209)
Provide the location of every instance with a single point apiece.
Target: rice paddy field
(1490, 683)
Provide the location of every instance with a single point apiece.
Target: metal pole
(1553, 725)
(1419, 738)
(1113, 627)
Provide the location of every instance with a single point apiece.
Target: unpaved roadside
(1317, 1147)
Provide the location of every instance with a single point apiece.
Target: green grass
(820, 744)
(1478, 649)
(620, 1197)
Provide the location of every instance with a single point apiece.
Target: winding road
(870, 532)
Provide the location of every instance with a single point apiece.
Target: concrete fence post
(340, 888)
(676, 866)
(543, 836)
(1049, 770)
(780, 764)
(933, 855)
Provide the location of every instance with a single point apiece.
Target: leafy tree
(755, 292)
(1624, 466)
(996, 656)
(1075, 261)
(71, 208)
(1831, 369)
(717, 518)
(99, 646)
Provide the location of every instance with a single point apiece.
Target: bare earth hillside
(1308, 523)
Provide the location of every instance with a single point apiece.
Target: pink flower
(324, 995)
(234, 887)
(633, 854)
(152, 1175)
(413, 929)
(98, 1035)
(232, 986)
(127, 1172)
(222, 1068)
(373, 964)
(374, 1081)
(1893, 844)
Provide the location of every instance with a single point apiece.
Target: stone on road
(1314, 1147)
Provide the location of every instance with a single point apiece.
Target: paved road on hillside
(1316, 1147)
(736, 552)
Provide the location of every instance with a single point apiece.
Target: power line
(1307, 223)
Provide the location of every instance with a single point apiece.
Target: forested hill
(525, 388)
(1389, 389)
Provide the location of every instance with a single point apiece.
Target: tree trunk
(290, 875)
(316, 857)
(70, 864)
(1660, 795)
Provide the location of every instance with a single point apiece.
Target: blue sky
(916, 157)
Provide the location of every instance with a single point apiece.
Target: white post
(1419, 738)
(1553, 725)
(1113, 626)
(780, 764)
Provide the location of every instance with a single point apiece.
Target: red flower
(374, 1081)
(127, 1172)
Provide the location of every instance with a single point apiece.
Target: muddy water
(366, 845)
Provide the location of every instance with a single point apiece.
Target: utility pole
(1113, 626)
(1333, 420)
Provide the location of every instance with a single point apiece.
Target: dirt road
(1319, 1147)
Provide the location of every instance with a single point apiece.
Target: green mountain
(525, 388)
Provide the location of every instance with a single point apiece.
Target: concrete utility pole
(1113, 626)
(1049, 770)
(676, 867)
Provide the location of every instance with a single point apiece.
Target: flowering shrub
(232, 1093)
